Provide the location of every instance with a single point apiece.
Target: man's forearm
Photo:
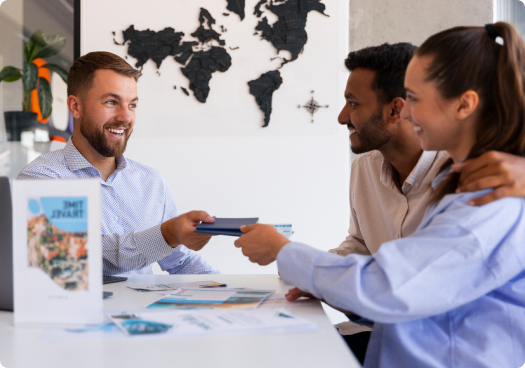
(133, 250)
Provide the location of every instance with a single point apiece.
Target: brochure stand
(57, 252)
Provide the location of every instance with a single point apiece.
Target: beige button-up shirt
(379, 211)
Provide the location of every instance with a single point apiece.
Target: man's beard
(98, 140)
(373, 135)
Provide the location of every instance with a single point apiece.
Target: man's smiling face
(108, 112)
(363, 113)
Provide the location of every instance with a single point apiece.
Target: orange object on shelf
(58, 138)
(44, 73)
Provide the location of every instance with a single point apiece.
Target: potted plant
(36, 47)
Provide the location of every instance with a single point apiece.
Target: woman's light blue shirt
(450, 295)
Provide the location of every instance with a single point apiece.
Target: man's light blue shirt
(450, 295)
(135, 202)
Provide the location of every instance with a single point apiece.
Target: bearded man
(140, 220)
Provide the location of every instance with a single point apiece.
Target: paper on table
(278, 300)
(212, 298)
(192, 322)
(170, 286)
(133, 324)
(197, 322)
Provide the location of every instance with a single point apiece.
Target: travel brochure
(198, 322)
(185, 298)
(173, 285)
(57, 251)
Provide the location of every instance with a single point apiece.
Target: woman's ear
(467, 104)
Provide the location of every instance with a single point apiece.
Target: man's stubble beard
(98, 140)
(373, 135)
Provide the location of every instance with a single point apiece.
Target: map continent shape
(237, 7)
(262, 89)
(157, 46)
(201, 67)
(289, 31)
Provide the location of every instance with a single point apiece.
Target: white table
(22, 347)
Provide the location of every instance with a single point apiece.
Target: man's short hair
(82, 72)
(389, 62)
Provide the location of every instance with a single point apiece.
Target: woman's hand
(261, 243)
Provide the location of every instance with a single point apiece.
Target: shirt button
(109, 188)
(164, 255)
(116, 218)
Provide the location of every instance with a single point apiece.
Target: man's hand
(261, 243)
(180, 230)
(296, 293)
(502, 171)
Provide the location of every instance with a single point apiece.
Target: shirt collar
(421, 169)
(440, 177)
(75, 160)
(443, 175)
(417, 174)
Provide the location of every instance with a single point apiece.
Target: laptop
(6, 246)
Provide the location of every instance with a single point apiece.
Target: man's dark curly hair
(389, 62)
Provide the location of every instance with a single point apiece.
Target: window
(511, 11)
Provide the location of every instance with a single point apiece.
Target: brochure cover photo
(57, 251)
(57, 240)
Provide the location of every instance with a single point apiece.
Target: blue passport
(226, 226)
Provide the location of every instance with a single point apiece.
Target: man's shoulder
(372, 160)
(143, 170)
(369, 156)
(49, 165)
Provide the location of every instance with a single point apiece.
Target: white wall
(373, 22)
(302, 180)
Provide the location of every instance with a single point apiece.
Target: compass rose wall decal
(313, 106)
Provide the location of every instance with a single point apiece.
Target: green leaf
(45, 97)
(30, 76)
(28, 48)
(10, 74)
(53, 44)
(33, 45)
(58, 70)
(39, 38)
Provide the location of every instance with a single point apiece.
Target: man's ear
(74, 105)
(395, 106)
(467, 104)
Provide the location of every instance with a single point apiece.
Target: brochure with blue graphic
(57, 251)
(188, 298)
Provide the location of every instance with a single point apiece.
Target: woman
(453, 293)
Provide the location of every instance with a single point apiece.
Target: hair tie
(491, 31)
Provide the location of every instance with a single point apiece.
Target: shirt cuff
(296, 265)
(152, 245)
